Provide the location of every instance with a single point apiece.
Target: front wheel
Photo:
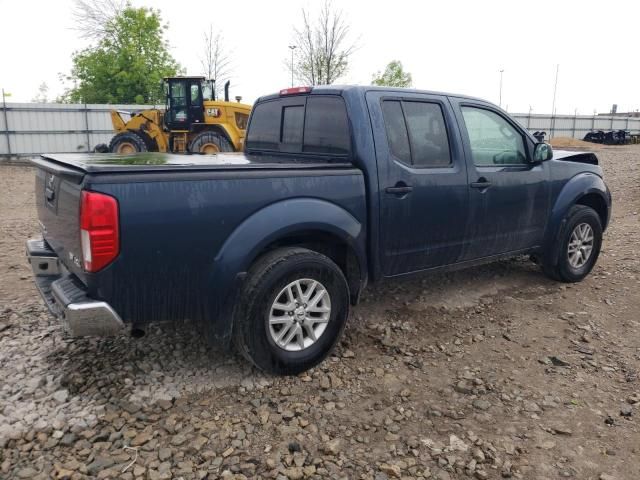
(127, 143)
(580, 242)
(292, 310)
(210, 143)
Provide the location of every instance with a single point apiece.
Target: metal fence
(29, 129)
(575, 126)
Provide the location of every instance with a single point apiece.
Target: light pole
(500, 102)
(553, 106)
(6, 122)
(555, 88)
(292, 48)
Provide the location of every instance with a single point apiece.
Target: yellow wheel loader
(193, 122)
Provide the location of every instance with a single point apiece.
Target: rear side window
(396, 130)
(313, 124)
(326, 129)
(427, 134)
(417, 133)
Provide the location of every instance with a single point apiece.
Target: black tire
(101, 148)
(265, 280)
(213, 141)
(562, 270)
(127, 143)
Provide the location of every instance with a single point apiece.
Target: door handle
(399, 189)
(482, 184)
(49, 194)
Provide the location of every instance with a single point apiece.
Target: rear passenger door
(423, 189)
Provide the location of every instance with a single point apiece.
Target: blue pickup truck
(337, 187)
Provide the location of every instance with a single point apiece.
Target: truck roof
(340, 89)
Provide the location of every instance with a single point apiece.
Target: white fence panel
(33, 128)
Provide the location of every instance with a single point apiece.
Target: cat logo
(213, 112)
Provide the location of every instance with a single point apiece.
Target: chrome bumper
(67, 298)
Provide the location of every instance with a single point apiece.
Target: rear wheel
(580, 242)
(210, 143)
(126, 143)
(292, 310)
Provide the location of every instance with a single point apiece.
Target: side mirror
(542, 152)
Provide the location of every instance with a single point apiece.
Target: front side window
(493, 140)
(417, 133)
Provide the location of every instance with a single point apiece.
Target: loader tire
(210, 143)
(127, 143)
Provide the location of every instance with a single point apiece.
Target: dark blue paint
(191, 226)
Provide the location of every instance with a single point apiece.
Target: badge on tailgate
(51, 185)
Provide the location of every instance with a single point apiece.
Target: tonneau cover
(154, 161)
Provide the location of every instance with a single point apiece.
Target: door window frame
(448, 124)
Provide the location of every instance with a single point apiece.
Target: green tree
(393, 76)
(128, 63)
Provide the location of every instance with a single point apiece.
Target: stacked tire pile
(612, 137)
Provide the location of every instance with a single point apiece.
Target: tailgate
(58, 188)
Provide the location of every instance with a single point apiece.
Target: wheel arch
(329, 230)
(598, 203)
(584, 189)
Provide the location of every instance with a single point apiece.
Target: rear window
(314, 124)
(292, 122)
(326, 129)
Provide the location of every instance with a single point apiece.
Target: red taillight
(99, 233)
(295, 90)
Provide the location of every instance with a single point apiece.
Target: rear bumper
(67, 298)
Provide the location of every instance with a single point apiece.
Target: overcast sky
(456, 46)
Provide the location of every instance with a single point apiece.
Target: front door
(509, 196)
(196, 108)
(423, 190)
(177, 108)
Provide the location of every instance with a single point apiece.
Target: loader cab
(184, 102)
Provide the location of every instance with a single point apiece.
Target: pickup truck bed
(176, 218)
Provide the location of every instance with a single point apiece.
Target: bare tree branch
(323, 46)
(92, 16)
(216, 59)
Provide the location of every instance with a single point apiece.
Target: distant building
(615, 113)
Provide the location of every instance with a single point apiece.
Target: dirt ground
(493, 372)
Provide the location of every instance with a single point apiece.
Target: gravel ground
(493, 372)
